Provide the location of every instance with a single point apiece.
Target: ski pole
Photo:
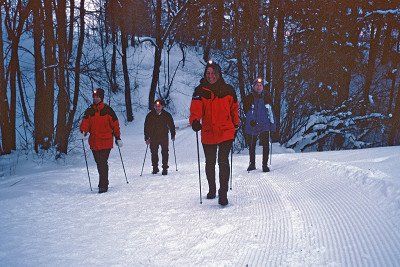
(231, 166)
(87, 167)
(145, 154)
(270, 151)
(123, 167)
(173, 145)
(198, 163)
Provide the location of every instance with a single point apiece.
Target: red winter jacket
(216, 106)
(102, 124)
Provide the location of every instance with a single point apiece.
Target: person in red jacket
(214, 111)
(102, 124)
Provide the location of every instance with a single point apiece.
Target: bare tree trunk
(71, 27)
(128, 101)
(218, 23)
(279, 69)
(270, 41)
(14, 30)
(63, 97)
(6, 131)
(394, 131)
(49, 57)
(114, 61)
(157, 54)
(252, 27)
(344, 83)
(63, 148)
(21, 95)
(239, 50)
(393, 73)
(39, 77)
(373, 51)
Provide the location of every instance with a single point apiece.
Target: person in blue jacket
(259, 122)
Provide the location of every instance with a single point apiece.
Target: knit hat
(257, 80)
(98, 92)
(215, 66)
(159, 102)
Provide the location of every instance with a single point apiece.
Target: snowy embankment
(329, 208)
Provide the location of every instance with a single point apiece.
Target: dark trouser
(154, 144)
(264, 142)
(101, 158)
(210, 152)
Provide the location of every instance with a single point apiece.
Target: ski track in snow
(306, 211)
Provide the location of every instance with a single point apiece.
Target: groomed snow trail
(312, 209)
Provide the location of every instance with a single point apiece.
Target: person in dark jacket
(259, 122)
(156, 126)
(102, 124)
(214, 111)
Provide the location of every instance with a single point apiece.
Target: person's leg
(101, 158)
(264, 141)
(252, 140)
(224, 149)
(165, 155)
(210, 152)
(154, 155)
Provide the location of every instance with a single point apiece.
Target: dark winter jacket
(102, 124)
(156, 126)
(216, 106)
(258, 111)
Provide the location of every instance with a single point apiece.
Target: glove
(196, 126)
(84, 136)
(118, 142)
(253, 123)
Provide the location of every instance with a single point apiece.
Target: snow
(326, 208)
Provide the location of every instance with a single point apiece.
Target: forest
(331, 65)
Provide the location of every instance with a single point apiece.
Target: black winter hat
(159, 102)
(99, 92)
(215, 66)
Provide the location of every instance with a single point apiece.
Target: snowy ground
(331, 208)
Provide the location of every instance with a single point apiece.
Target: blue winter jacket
(258, 108)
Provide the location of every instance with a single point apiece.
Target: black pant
(264, 142)
(154, 144)
(101, 158)
(210, 152)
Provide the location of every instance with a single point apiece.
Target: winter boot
(265, 168)
(164, 172)
(155, 170)
(102, 190)
(223, 200)
(251, 167)
(210, 195)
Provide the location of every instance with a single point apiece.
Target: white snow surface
(336, 208)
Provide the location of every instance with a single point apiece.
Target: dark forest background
(332, 66)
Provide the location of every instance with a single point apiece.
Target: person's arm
(147, 128)
(235, 110)
(115, 124)
(85, 123)
(196, 106)
(171, 126)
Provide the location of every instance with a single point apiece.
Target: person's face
(96, 99)
(158, 107)
(211, 76)
(258, 87)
